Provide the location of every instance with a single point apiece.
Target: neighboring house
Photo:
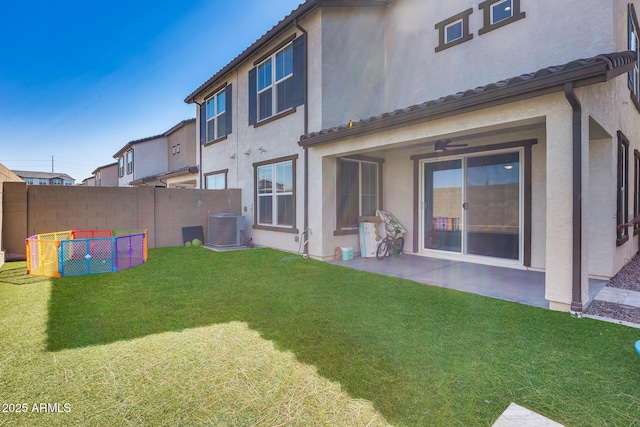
(106, 176)
(165, 160)
(45, 178)
(89, 182)
(496, 132)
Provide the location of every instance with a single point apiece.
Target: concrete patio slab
(518, 416)
(521, 286)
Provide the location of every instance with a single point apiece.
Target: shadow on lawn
(17, 275)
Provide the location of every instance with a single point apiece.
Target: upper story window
(28, 180)
(634, 45)
(129, 162)
(121, 166)
(56, 181)
(454, 30)
(498, 13)
(273, 85)
(215, 116)
(276, 83)
(68, 182)
(43, 181)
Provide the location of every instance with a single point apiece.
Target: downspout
(199, 145)
(305, 233)
(576, 289)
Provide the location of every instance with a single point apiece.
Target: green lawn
(424, 356)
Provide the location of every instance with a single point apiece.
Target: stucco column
(559, 234)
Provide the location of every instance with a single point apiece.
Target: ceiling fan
(442, 145)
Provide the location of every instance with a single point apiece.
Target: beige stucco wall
(185, 136)
(559, 38)
(5, 176)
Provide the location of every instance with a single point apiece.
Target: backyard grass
(145, 345)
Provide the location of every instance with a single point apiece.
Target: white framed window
(129, 158)
(453, 31)
(634, 45)
(121, 166)
(56, 181)
(500, 11)
(68, 182)
(216, 109)
(29, 180)
(178, 148)
(42, 181)
(273, 85)
(216, 180)
(275, 193)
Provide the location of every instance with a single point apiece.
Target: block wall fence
(30, 210)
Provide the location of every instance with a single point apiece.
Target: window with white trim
(454, 30)
(498, 13)
(274, 81)
(216, 115)
(56, 181)
(216, 181)
(634, 45)
(275, 186)
(120, 166)
(129, 158)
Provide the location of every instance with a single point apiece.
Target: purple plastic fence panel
(86, 256)
(129, 251)
(34, 255)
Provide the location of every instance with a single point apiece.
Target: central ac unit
(225, 229)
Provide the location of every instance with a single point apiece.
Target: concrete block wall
(14, 217)
(163, 212)
(177, 208)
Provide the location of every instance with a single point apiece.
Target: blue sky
(79, 79)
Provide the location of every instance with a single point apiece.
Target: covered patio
(521, 286)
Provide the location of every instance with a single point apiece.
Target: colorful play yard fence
(79, 252)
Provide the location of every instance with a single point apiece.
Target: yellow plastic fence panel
(43, 257)
(146, 236)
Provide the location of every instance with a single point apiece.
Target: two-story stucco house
(45, 178)
(104, 176)
(164, 160)
(502, 132)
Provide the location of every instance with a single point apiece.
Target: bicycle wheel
(382, 250)
(397, 246)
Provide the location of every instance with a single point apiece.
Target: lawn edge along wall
(81, 252)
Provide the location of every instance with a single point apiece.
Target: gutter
(576, 285)
(305, 232)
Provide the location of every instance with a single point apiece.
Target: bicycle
(389, 244)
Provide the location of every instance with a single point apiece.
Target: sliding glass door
(443, 184)
(472, 205)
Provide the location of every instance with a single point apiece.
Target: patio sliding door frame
(526, 145)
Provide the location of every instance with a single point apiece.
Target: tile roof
(582, 72)
(43, 175)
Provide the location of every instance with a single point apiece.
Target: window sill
(621, 241)
(345, 232)
(274, 118)
(272, 228)
(215, 141)
(453, 43)
(491, 27)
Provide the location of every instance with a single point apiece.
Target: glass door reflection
(442, 203)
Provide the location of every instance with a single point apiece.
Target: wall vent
(225, 229)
